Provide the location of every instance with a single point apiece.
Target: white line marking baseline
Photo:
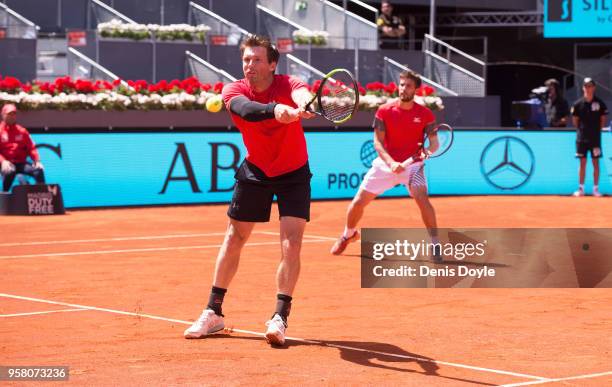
(315, 342)
(132, 238)
(305, 235)
(45, 312)
(140, 238)
(146, 249)
(589, 376)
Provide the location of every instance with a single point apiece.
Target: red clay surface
(359, 336)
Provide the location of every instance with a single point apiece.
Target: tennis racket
(337, 97)
(436, 143)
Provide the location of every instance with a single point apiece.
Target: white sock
(349, 232)
(581, 186)
(595, 188)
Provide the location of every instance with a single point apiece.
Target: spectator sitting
(555, 105)
(391, 29)
(15, 146)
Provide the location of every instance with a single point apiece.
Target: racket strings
(338, 100)
(445, 140)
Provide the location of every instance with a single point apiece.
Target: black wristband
(270, 108)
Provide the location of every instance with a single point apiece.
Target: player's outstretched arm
(250, 110)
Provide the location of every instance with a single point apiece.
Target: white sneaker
(275, 334)
(596, 193)
(206, 324)
(579, 192)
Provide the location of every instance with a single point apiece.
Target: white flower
(120, 28)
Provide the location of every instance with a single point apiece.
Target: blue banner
(120, 169)
(577, 18)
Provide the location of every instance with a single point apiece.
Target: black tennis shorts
(254, 193)
(584, 147)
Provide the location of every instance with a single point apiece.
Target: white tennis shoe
(596, 193)
(275, 334)
(578, 193)
(208, 323)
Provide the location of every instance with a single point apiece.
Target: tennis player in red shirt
(15, 147)
(267, 109)
(399, 130)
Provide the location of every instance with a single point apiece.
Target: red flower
(190, 83)
(43, 86)
(391, 88)
(425, 90)
(140, 85)
(218, 87)
(83, 86)
(162, 84)
(206, 86)
(117, 82)
(10, 83)
(362, 91)
(375, 86)
(64, 84)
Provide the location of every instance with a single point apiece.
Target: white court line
(95, 252)
(45, 312)
(305, 235)
(315, 342)
(140, 238)
(558, 379)
(134, 238)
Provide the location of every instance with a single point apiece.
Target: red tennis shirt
(405, 129)
(273, 147)
(16, 144)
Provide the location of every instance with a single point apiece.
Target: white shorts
(380, 178)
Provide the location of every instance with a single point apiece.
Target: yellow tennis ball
(214, 104)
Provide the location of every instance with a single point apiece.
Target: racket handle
(407, 162)
(413, 159)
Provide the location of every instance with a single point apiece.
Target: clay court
(109, 292)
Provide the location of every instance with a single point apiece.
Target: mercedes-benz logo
(507, 162)
(368, 153)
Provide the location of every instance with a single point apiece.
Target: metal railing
(276, 26)
(303, 70)
(323, 15)
(82, 67)
(368, 7)
(218, 25)
(15, 25)
(392, 69)
(104, 13)
(206, 72)
(453, 68)
(483, 19)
